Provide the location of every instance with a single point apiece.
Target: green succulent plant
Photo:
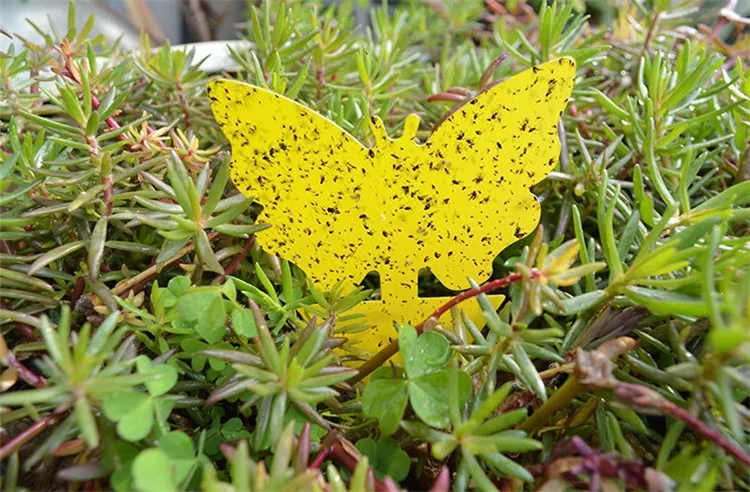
(147, 342)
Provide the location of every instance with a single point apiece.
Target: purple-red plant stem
(482, 289)
(640, 396)
(238, 259)
(326, 444)
(391, 349)
(446, 96)
(320, 457)
(706, 431)
(461, 91)
(184, 104)
(343, 458)
(70, 72)
(24, 372)
(14, 444)
(497, 7)
(95, 103)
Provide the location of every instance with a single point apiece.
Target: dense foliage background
(147, 343)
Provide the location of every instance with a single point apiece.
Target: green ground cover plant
(147, 343)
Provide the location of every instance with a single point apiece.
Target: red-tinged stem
(184, 104)
(640, 396)
(461, 91)
(322, 455)
(326, 445)
(69, 72)
(111, 122)
(14, 444)
(95, 103)
(391, 349)
(706, 431)
(446, 96)
(343, 458)
(490, 286)
(496, 7)
(24, 372)
(238, 259)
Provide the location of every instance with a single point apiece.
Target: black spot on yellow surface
(341, 210)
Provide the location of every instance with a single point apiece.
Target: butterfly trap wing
(340, 210)
(307, 173)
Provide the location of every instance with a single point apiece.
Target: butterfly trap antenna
(411, 125)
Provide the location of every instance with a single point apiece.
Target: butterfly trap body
(339, 210)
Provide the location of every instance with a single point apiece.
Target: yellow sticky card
(339, 210)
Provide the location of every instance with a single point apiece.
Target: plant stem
(569, 390)
(14, 444)
(391, 349)
(637, 395)
(238, 259)
(24, 372)
(609, 350)
(153, 270)
(320, 457)
(344, 458)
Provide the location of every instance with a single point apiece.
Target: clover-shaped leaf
(136, 412)
(194, 347)
(161, 385)
(386, 457)
(425, 357)
(385, 399)
(243, 322)
(178, 285)
(151, 472)
(234, 430)
(423, 354)
(204, 307)
(121, 461)
(133, 413)
(428, 395)
(168, 466)
(179, 449)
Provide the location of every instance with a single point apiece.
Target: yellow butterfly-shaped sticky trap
(339, 210)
